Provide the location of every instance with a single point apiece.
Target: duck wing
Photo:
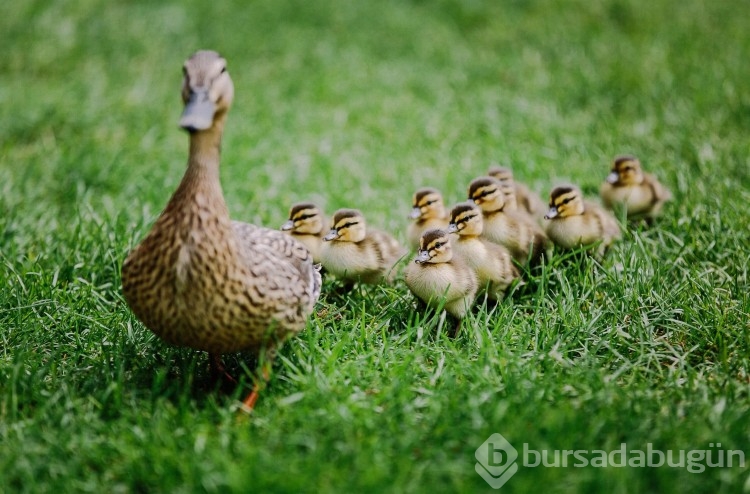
(282, 266)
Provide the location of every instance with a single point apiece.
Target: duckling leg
(456, 328)
(344, 288)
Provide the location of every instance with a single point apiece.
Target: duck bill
(552, 213)
(422, 257)
(332, 235)
(452, 228)
(198, 113)
(613, 178)
(287, 226)
(415, 213)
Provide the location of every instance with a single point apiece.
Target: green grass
(357, 104)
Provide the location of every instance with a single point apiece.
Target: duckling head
(487, 193)
(348, 226)
(564, 201)
(502, 173)
(207, 90)
(466, 219)
(427, 203)
(626, 170)
(304, 217)
(434, 247)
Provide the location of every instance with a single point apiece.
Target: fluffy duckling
(515, 230)
(428, 211)
(199, 279)
(518, 195)
(305, 224)
(352, 252)
(575, 223)
(492, 262)
(439, 278)
(641, 193)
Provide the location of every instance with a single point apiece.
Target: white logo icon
(496, 461)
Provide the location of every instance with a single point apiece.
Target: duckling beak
(198, 113)
(452, 228)
(332, 235)
(415, 213)
(613, 178)
(287, 226)
(422, 257)
(552, 213)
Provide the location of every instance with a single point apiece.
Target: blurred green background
(356, 104)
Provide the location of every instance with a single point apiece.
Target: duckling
(641, 193)
(517, 194)
(514, 230)
(439, 278)
(575, 223)
(492, 262)
(352, 252)
(200, 280)
(305, 224)
(429, 212)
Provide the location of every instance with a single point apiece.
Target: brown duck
(199, 279)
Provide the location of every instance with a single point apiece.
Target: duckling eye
(487, 192)
(223, 69)
(567, 200)
(347, 225)
(304, 217)
(438, 245)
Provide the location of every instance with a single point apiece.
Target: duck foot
(248, 404)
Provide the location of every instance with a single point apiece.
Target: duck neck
(200, 185)
(205, 153)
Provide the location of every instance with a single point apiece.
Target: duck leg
(265, 373)
(218, 371)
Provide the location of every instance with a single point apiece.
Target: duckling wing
(660, 193)
(607, 223)
(388, 248)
